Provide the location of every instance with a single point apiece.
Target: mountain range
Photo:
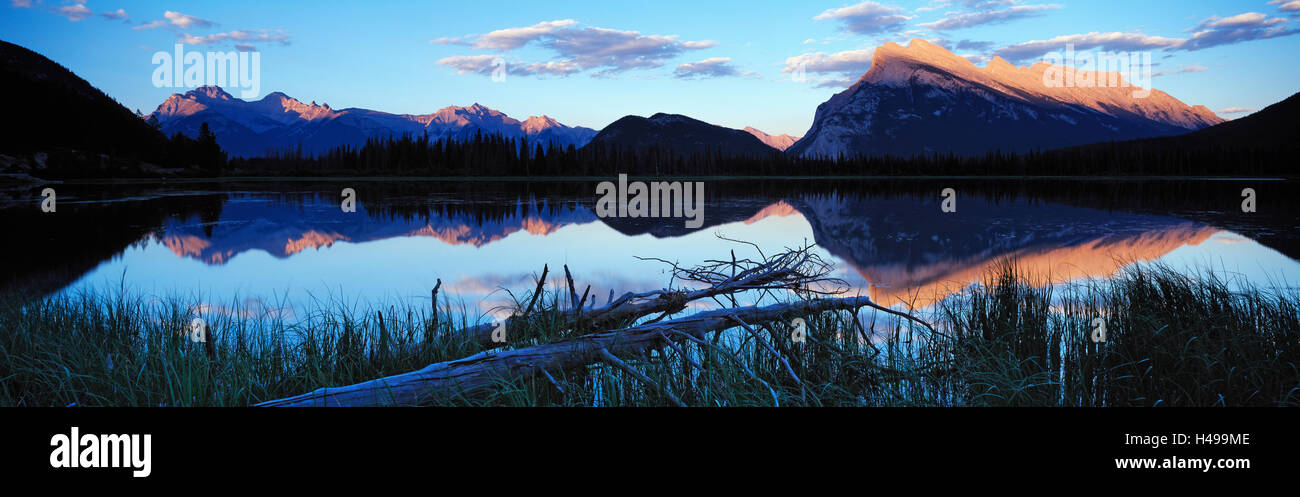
(914, 100)
(925, 99)
(917, 99)
(280, 122)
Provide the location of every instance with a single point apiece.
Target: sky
(731, 63)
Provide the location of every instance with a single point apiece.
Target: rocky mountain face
(924, 99)
(280, 122)
(779, 142)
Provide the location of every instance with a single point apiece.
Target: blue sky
(589, 63)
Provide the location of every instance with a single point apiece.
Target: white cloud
(609, 50)
(1216, 31)
(184, 21)
(74, 12)
(1115, 41)
(698, 45)
(867, 17)
(512, 38)
(115, 15)
(1286, 5)
(150, 25)
(244, 37)
(616, 50)
(970, 19)
(486, 64)
(471, 63)
(851, 62)
(1211, 32)
(177, 20)
(449, 41)
(715, 67)
(553, 68)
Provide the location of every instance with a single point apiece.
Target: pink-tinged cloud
(715, 67)
(1212, 32)
(74, 12)
(512, 38)
(244, 37)
(867, 17)
(852, 63)
(486, 64)
(978, 18)
(1249, 26)
(576, 49)
(1286, 5)
(184, 21)
(172, 19)
(1117, 42)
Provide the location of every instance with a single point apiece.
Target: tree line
(495, 155)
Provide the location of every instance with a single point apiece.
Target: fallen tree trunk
(486, 369)
(792, 270)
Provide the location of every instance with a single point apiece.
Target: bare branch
(486, 369)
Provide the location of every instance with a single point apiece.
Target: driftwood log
(486, 369)
(796, 270)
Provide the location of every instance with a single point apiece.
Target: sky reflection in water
(262, 253)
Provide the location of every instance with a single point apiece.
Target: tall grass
(1172, 339)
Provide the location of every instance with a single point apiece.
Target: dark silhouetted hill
(48, 107)
(679, 135)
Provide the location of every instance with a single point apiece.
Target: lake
(284, 246)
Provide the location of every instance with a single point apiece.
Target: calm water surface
(253, 247)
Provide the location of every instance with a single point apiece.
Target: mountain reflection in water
(241, 244)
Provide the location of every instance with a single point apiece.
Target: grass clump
(1171, 339)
